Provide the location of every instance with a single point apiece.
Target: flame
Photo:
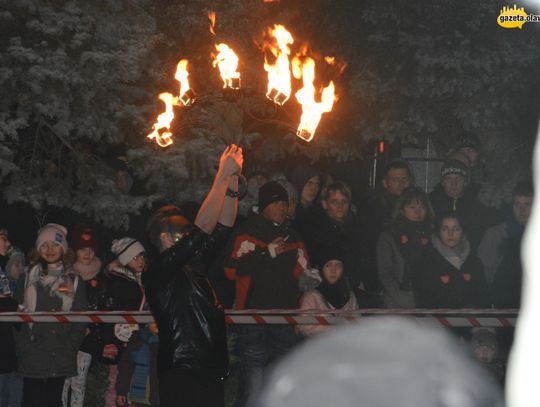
(279, 74)
(227, 62)
(212, 18)
(330, 60)
(311, 110)
(164, 121)
(185, 94)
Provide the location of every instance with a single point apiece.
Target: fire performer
(192, 356)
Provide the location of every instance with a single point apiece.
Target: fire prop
(162, 127)
(227, 62)
(163, 138)
(311, 110)
(185, 93)
(279, 74)
(279, 85)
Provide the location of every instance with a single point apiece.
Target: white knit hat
(52, 232)
(126, 249)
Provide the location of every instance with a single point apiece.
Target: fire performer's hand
(231, 161)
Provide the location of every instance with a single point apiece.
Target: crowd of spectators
(300, 243)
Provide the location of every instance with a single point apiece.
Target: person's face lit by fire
(337, 206)
(397, 180)
(276, 212)
(310, 190)
(51, 251)
(85, 255)
(454, 185)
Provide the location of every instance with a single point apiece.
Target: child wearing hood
(332, 293)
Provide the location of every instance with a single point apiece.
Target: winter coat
(477, 218)
(314, 300)
(505, 290)
(396, 272)
(48, 350)
(190, 319)
(8, 351)
(263, 282)
(102, 296)
(439, 284)
(375, 213)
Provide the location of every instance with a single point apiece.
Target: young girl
(88, 266)
(48, 351)
(137, 369)
(449, 274)
(401, 245)
(333, 292)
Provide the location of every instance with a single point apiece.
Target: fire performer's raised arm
(220, 206)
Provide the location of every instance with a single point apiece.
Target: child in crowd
(136, 371)
(10, 383)
(333, 292)
(401, 245)
(97, 344)
(48, 351)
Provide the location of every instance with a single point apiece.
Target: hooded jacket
(190, 318)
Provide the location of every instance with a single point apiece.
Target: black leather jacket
(190, 318)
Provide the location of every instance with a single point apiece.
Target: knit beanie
(454, 167)
(52, 232)
(126, 249)
(301, 175)
(271, 192)
(83, 237)
(326, 253)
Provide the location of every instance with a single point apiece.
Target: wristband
(232, 194)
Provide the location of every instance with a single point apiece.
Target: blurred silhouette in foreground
(380, 362)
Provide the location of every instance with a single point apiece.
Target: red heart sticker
(403, 239)
(445, 279)
(466, 276)
(86, 236)
(93, 283)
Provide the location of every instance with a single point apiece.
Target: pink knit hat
(52, 232)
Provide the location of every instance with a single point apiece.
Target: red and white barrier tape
(492, 318)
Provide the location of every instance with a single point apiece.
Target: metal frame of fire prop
(279, 88)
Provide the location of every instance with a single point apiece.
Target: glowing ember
(311, 110)
(163, 137)
(330, 60)
(185, 93)
(279, 74)
(227, 62)
(212, 18)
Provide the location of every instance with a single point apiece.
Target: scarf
(456, 256)
(411, 239)
(87, 271)
(57, 282)
(337, 294)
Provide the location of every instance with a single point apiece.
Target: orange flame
(164, 120)
(279, 74)
(311, 110)
(212, 18)
(227, 62)
(187, 98)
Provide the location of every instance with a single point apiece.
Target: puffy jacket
(190, 318)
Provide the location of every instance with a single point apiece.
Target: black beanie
(326, 253)
(271, 192)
